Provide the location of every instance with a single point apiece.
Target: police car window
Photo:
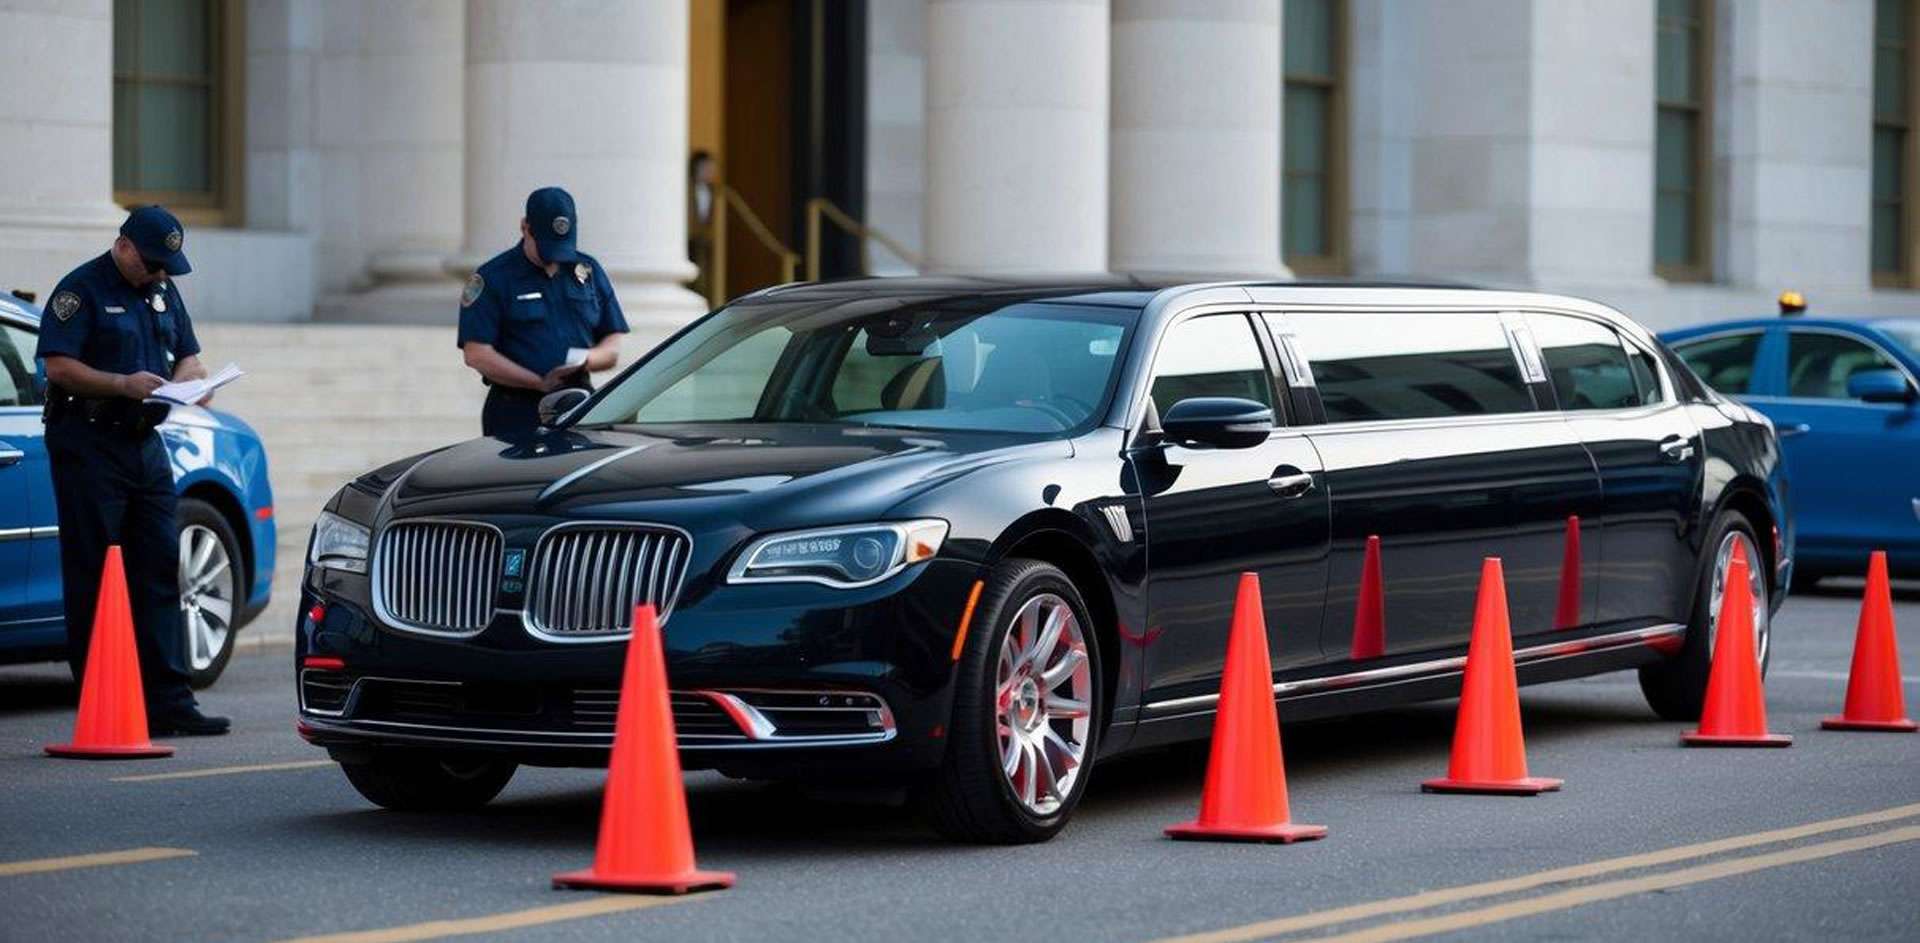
(16, 367)
(1585, 362)
(1410, 366)
(1217, 355)
(1820, 364)
(1725, 362)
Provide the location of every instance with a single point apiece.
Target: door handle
(1798, 428)
(10, 455)
(1290, 482)
(1676, 448)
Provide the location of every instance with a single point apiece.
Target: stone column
(590, 95)
(1195, 185)
(56, 119)
(412, 62)
(1016, 136)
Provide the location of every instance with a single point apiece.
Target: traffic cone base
(1735, 711)
(1901, 725)
(1285, 833)
(1736, 740)
(112, 721)
(1524, 786)
(684, 883)
(75, 751)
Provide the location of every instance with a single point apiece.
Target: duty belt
(110, 413)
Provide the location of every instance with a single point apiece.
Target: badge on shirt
(471, 293)
(158, 302)
(64, 304)
(581, 271)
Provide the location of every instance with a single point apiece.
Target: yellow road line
(129, 856)
(1591, 869)
(224, 771)
(1624, 887)
(495, 923)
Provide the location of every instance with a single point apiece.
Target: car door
(1852, 462)
(1213, 513)
(26, 495)
(1434, 443)
(1648, 454)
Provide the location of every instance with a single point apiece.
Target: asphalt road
(291, 851)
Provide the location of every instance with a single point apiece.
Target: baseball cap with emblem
(158, 236)
(551, 219)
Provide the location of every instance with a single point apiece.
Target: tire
(973, 797)
(1676, 689)
(209, 586)
(429, 783)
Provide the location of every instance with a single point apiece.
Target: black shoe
(186, 722)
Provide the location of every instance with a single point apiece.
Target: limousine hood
(572, 473)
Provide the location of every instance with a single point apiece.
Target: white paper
(576, 356)
(188, 392)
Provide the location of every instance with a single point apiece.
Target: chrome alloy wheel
(206, 595)
(1043, 702)
(1756, 578)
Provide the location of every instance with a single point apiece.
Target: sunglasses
(152, 267)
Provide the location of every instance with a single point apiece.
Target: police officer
(527, 308)
(114, 330)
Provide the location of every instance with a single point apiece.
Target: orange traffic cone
(1245, 798)
(1566, 615)
(1489, 753)
(113, 709)
(646, 845)
(1370, 613)
(1735, 713)
(1874, 699)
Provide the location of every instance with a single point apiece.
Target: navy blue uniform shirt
(531, 319)
(96, 317)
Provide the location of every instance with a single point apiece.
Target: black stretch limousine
(969, 536)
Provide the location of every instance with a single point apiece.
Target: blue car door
(1851, 462)
(24, 485)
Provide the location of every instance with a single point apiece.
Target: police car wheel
(210, 590)
(409, 783)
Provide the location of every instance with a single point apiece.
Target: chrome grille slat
(437, 576)
(586, 579)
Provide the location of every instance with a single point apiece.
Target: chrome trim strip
(417, 574)
(561, 483)
(29, 533)
(666, 574)
(1533, 654)
(535, 738)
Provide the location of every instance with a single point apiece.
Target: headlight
(338, 543)
(841, 557)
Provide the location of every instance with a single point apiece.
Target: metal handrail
(821, 206)
(717, 279)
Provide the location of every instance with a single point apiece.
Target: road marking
(1591, 869)
(1625, 887)
(224, 771)
(1827, 675)
(129, 856)
(495, 923)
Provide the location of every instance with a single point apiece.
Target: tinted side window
(1216, 355)
(16, 367)
(1411, 366)
(1646, 377)
(1819, 365)
(1725, 362)
(1586, 363)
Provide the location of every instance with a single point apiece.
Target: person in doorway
(703, 201)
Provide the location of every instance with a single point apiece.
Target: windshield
(1033, 367)
(1906, 331)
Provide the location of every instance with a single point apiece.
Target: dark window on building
(175, 105)
(1216, 355)
(1313, 186)
(1682, 136)
(1819, 364)
(1586, 362)
(1390, 366)
(1893, 25)
(1724, 362)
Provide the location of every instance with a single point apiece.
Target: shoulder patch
(471, 293)
(64, 304)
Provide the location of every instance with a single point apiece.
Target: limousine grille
(585, 581)
(437, 576)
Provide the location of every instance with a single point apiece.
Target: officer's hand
(560, 376)
(140, 385)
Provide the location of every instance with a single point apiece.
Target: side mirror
(1880, 386)
(1221, 421)
(555, 405)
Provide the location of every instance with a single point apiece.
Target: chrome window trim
(1627, 344)
(377, 593)
(532, 626)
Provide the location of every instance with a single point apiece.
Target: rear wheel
(210, 590)
(1676, 689)
(429, 783)
(1027, 712)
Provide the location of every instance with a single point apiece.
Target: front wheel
(211, 593)
(1677, 689)
(1027, 712)
(428, 783)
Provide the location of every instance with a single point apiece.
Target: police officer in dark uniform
(527, 308)
(114, 330)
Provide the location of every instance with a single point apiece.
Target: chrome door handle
(1290, 482)
(1798, 428)
(1676, 448)
(10, 455)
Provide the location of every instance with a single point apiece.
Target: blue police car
(1844, 395)
(226, 518)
